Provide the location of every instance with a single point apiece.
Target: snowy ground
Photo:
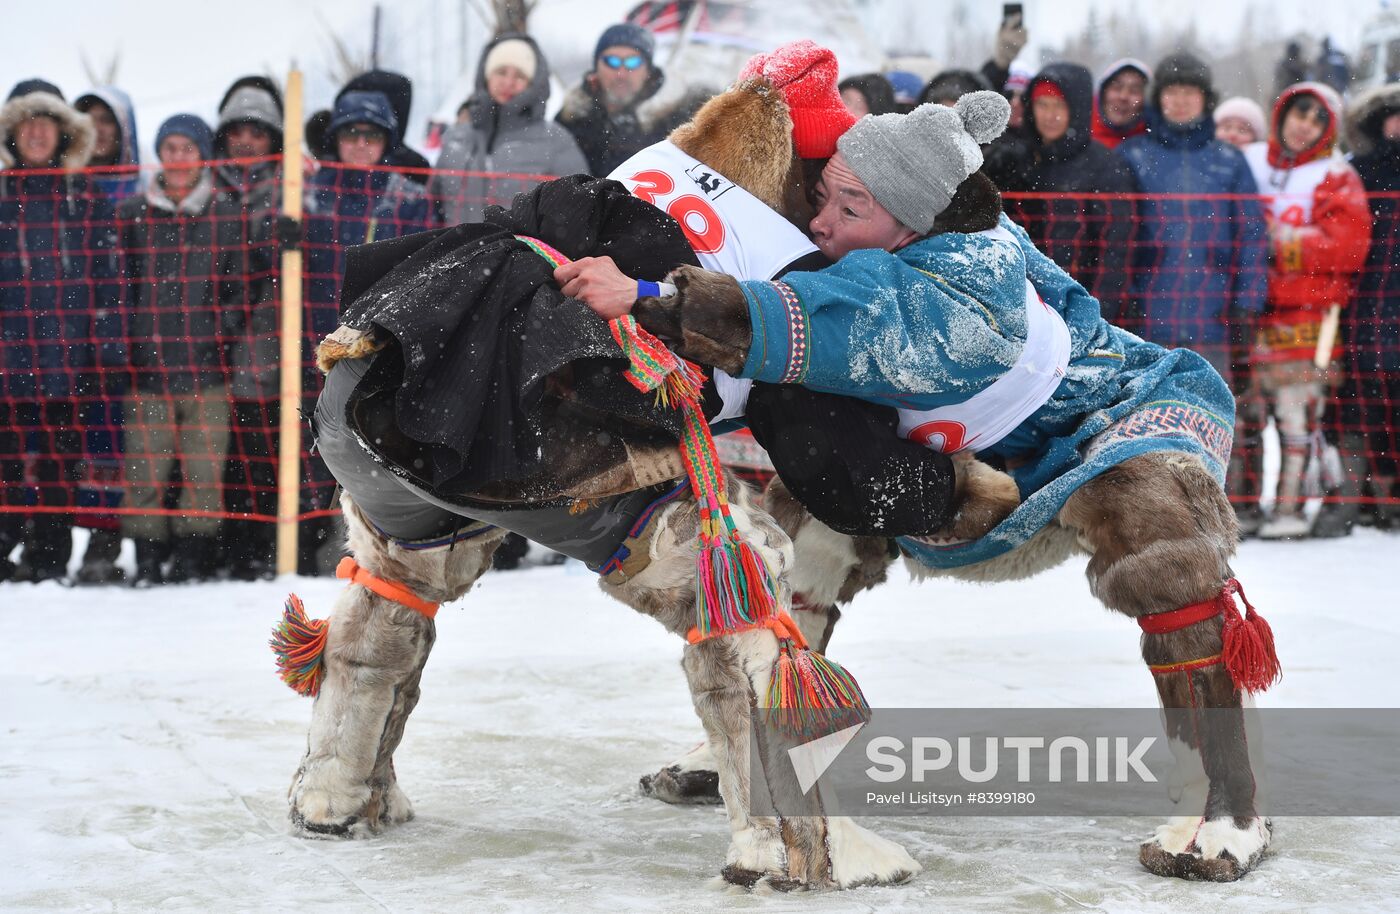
(147, 746)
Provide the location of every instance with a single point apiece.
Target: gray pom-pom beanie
(913, 163)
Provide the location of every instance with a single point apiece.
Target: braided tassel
(299, 644)
(735, 586)
(1248, 644)
(804, 682)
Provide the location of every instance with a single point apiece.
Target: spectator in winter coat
(1239, 121)
(250, 127)
(1370, 397)
(1087, 236)
(116, 146)
(117, 153)
(1120, 108)
(506, 141)
(249, 198)
(868, 94)
(1199, 260)
(601, 113)
(174, 320)
(358, 201)
(399, 90)
(61, 350)
(1319, 232)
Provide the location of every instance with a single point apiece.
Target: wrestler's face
(848, 218)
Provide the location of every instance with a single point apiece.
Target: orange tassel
(1248, 652)
(299, 644)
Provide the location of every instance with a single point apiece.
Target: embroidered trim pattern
(799, 332)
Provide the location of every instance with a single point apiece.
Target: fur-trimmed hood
(77, 136)
(1364, 117)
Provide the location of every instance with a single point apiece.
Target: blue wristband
(648, 289)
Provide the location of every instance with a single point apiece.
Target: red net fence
(139, 360)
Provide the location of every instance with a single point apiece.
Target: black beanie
(1183, 70)
(30, 86)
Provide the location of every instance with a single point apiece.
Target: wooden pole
(1327, 337)
(289, 440)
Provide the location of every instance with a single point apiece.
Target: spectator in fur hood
(62, 347)
(1319, 232)
(505, 143)
(1120, 107)
(601, 112)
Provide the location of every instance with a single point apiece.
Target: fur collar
(77, 134)
(1363, 121)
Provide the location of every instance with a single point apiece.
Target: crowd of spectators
(139, 368)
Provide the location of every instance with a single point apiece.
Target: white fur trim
(1219, 836)
(1176, 835)
(861, 857)
(826, 558)
(1050, 546)
(82, 135)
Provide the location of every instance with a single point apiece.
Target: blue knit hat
(191, 126)
(627, 35)
(363, 108)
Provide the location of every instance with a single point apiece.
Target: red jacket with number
(1319, 229)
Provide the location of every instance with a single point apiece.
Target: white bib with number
(730, 230)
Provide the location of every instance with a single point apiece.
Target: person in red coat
(1319, 232)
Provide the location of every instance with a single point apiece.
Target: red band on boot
(1247, 643)
(389, 590)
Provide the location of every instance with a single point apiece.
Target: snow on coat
(943, 319)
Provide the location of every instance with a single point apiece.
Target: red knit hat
(805, 73)
(1046, 89)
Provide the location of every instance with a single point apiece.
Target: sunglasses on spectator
(370, 134)
(630, 62)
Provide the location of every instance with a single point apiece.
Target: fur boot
(726, 677)
(1161, 533)
(374, 657)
